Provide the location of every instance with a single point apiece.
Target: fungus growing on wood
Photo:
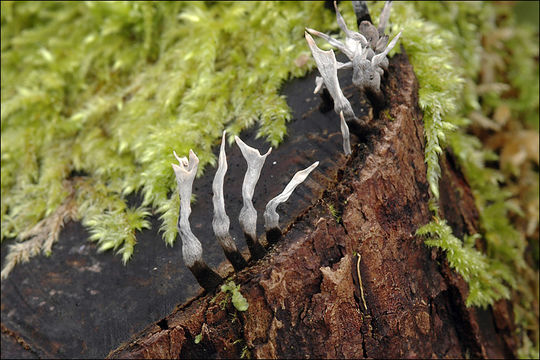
(328, 66)
(319, 82)
(248, 214)
(367, 72)
(220, 222)
(191, 246)
(371, 38)
(366, 49)
(271, 217)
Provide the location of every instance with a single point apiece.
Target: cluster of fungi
(367, 52)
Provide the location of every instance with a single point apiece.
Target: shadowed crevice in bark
(305, 297)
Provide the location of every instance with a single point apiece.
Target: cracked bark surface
(304, 296)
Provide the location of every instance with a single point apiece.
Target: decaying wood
(304, 296)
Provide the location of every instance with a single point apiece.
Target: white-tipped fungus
(248, 214)
(348, 51)
(191, 246)
(378, 58)
(185, 174)
(327, 65)
(271, 217)
(352, 38)
(367, 50)
(319, 82)
(220, 222)
(367, 73)
(384, 17)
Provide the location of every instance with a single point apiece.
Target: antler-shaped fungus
(327, 65)
(271, 217)
(353, 39)
(220, 222)
(367, 73)
(367, 44)
(248, 214)
(191, 246)
(367, 34)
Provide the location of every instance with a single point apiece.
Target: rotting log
(313, 296)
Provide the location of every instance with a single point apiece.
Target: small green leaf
(106, 246)
(126, 255)
(198, 338)
(230, 286)
(239, 301)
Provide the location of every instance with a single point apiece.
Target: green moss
(198, 338)
(386, 115)
(485, 277)
(335, 213)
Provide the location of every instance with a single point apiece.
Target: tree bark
(349, 278)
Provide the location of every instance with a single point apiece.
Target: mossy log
(349, 277)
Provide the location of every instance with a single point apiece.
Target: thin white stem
(385, 15)
(352, 38)
(334, 42)
(345, 134)
(377, 59)
(221, 222)
(255, 162)
(185, 174)
(271, 217)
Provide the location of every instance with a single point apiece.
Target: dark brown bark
(305, 297)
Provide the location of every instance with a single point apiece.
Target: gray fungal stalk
(248, 214)
(372, 39)
(220, 222)
(353, 40)
(271, 217)
(367, 72)
(345, 134)
(191, 246)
